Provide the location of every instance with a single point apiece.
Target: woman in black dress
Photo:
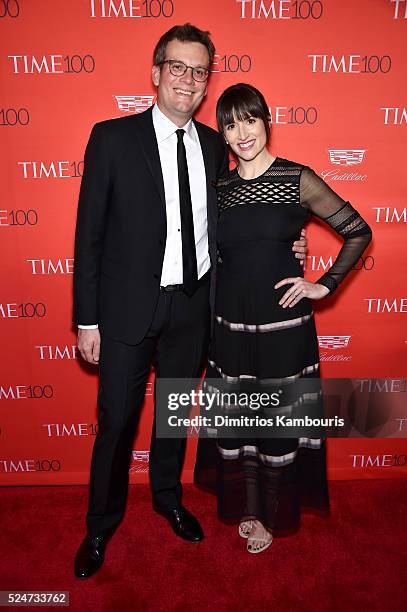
(264, 323)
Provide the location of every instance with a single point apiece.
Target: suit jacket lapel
(210, 170)
(148, 142)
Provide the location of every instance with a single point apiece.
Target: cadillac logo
(333, 342)
(134, 104)
(346, 157)
(141, 455)
(140, 461)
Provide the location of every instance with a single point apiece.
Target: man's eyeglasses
(178, 69)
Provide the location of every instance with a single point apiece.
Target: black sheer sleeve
(320, 200)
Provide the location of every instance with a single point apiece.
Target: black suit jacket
(121, 224)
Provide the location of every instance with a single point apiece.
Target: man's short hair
(184, 33)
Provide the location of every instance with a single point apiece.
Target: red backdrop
(332, 72)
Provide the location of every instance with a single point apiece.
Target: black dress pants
(176, 344)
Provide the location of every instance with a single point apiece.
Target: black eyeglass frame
(170, 62)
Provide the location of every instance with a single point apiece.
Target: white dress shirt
(166, 135)
(165, 131)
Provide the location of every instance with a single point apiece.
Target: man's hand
(89, 345)
(300, 248)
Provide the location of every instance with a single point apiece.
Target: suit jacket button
(155, 275)
(161, 242)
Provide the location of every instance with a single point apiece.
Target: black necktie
(190, 275)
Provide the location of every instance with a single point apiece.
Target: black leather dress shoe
(90, 556)
(183, 523)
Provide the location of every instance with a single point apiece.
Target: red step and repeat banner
(333, 73)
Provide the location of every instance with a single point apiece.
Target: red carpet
(354, 560)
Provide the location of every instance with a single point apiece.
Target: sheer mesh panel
(278, 185)
(319, 199)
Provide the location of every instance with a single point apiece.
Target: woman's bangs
(237, 107)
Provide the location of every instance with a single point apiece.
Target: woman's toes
(259, 538)
(245, 528)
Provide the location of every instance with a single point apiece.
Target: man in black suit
(145, 255)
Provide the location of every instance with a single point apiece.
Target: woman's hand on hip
(300, 288)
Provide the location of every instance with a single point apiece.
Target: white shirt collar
(164, 127)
